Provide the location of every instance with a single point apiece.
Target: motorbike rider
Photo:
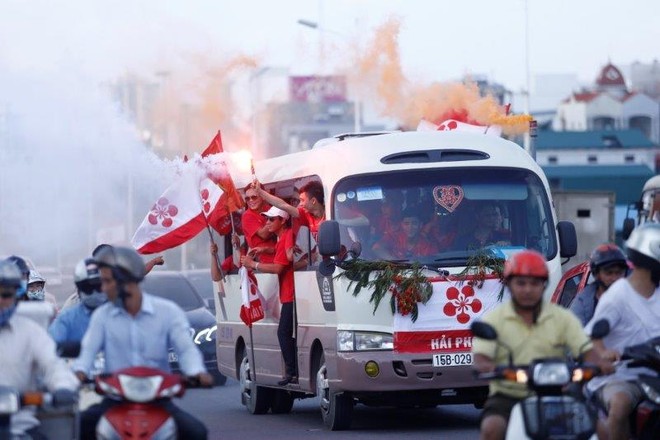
(533, 328)
(25, 275)
(632, 307)
(36, 290)
(607, 263)
(28, 353)
(72, 323)
(135, 328)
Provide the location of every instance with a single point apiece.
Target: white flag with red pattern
(252, 308)
(183, 211)
(443, 323)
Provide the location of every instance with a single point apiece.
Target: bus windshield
(443, 216)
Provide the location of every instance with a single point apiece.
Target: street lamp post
(357, 107)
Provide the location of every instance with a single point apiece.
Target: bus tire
(336, 408)
(256, 399)
(281, 402)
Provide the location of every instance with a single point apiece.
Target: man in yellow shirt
(533, 329)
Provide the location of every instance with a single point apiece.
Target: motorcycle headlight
(140, 389)
(8, 401)
(651, 389)
(363, 341)
(205, 335)
(551, 373)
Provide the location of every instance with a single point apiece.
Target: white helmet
(39, 294)
(35, 277)
(643, 249)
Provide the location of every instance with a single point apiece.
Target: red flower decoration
(460, 303)
(164, 212)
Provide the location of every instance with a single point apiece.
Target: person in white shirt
(632, 308)
(28, 352)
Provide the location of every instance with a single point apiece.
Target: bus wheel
(255, 398)
(281, 402)
(336, 408)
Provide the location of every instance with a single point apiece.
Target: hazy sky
(439, 40)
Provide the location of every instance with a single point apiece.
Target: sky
(71, 158)
(439, 40)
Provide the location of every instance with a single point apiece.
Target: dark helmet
(10, 274)
(643, 248)
(526, 263)
(607, 254)
(87, 277)
(21, 264)
(100, 247)
(126, 263)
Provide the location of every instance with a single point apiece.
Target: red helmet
(526, 264)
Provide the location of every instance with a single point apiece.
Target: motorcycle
(645, 419)
(557, 410)
(57, 412)
(138, 415)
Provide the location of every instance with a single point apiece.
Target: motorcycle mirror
(483, 330)
(600, 329)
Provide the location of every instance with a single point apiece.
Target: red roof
(610, 76)
(582, 97)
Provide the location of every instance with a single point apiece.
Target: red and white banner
(443, 323)
(454, 125)
(252, 308)
(182, 212)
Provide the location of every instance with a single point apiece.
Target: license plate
(172, 357)
(452, 359)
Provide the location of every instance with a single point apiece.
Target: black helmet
(99, 248)
(21, 264)
(605, 255)
(126, 263)
(10, 274)
(87, 277)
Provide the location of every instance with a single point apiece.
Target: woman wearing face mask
(72, 323)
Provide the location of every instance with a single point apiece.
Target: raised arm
(277, 202)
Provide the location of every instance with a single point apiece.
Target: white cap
(276, 212)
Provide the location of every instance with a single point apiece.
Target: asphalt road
(221, 410)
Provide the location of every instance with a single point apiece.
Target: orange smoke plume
(379, 77)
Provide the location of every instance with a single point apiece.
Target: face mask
(93, 300)
(36, 295)
(5, 314)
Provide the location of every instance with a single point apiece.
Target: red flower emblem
(164, 212)
(205, 200)
(460, 303)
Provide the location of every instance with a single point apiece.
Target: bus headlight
(363, 341)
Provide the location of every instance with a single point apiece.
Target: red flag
(214, 147)
(182, 212)
(252, 309)
(234, 200)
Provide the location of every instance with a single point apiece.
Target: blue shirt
(584, 303)
(140, 340)
(71, 324)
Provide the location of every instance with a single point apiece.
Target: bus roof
(396, 151)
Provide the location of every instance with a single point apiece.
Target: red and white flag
(181, 212)
(252, 308)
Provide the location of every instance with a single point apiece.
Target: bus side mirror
(567, 239)
(628, 226)
(328, 240)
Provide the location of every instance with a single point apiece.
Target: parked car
(174, 286)
(202, 282)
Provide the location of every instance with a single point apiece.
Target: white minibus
(424, 201)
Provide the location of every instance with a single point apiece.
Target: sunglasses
(249, 198)
(271, 219)
(7, 295)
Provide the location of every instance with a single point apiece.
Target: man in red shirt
(277, 223)
(408, 242)
(261, 242)
(311, 210)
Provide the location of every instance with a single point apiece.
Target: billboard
(327, 88)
